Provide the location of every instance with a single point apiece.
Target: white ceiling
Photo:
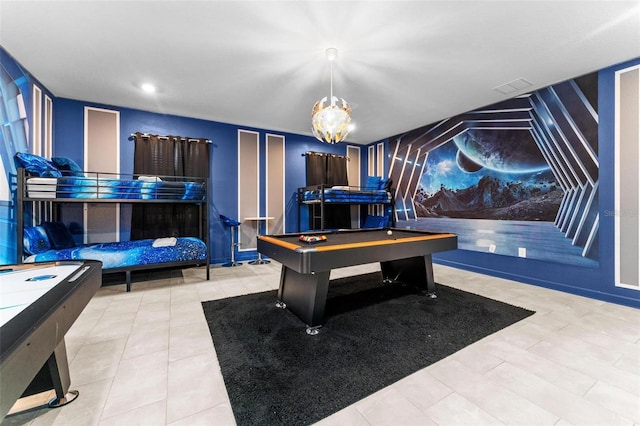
(401, 64)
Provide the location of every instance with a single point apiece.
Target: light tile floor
(146, 358)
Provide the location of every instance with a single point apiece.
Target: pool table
(38, 304)
(404, 256)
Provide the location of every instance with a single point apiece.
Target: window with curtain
(174, 156)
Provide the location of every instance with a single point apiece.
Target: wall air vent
(513, 86)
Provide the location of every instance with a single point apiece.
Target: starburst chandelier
(331, 123)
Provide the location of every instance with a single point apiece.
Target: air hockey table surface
(38, 304)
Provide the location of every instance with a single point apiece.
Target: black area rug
(375, 335)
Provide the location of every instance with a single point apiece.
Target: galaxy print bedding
(113, 189)
(131, 253)
(61, 177)
(340, 195)
(376, 190)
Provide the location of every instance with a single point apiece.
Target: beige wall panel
(380, 171)
(48, 126)
(371, 161)
(353, 174)
(275, 172)
(248, 188)
(627, 217)
(36, 140)
(102, 154)
(380, 159)
(372, 171)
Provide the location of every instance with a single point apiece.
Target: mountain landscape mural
(505, 184)
(493, 199)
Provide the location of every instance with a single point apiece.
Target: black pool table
(39, 303)
(404, 256)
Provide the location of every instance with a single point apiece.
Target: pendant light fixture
(331, 123)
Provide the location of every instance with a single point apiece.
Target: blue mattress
(81, 187)
(106, 188)
(336, 195)
(63, 178)
(130, 253)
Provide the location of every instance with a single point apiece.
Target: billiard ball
(389, 232)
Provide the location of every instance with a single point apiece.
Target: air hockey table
(38, 304)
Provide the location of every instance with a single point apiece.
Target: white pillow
(149, 178)
(165, 242)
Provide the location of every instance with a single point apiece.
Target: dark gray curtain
(336, 170)
(168, 156)
(328, 169)
(316, 169)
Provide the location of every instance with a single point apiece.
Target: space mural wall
(517, 178)
(15, 108)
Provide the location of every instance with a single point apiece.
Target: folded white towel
(165, 242)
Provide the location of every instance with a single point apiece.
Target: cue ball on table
(389, 232)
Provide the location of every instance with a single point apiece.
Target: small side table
(261, 220)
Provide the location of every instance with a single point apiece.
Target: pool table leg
(414, 270)
(305, 295)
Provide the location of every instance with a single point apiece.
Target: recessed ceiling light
(148, 87)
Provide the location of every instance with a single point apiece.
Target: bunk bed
(47, 184)
(377, 191)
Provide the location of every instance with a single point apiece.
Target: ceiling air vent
(512, 86)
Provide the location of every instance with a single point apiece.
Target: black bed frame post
(205, 218)
(392, 207)
(20, 215)
(299, 201)
(322, 188)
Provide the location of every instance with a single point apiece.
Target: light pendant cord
(331, 82)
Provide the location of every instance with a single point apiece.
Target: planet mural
(466, 164)
(510, 151)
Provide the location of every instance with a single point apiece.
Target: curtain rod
(146, 135)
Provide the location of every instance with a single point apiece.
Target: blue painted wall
(595, 283)
(223, 192)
